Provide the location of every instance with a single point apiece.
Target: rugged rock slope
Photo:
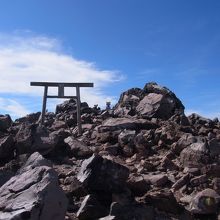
(142, 160)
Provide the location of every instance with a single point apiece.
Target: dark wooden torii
(61, 87)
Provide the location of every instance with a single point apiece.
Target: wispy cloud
(12, 107)
(29, 57)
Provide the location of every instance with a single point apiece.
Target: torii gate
(61, 87)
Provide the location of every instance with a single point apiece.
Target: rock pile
(143, 159)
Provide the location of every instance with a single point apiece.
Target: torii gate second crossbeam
(61, 87)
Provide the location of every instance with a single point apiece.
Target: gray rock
(157, 180)
(181, 182)
(99, 174)
(24, 138)
(128, 102)
(159, 102)
(138, 185)
(164, 200)
(43, 141)
(183, 142)
(126, 141)
(195, 155)
(33, 193)
(78, 148)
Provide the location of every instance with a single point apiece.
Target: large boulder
(153, 101)
(31, 138)
(159, 102)
(33, 193)
(24, 138)
(100, 174)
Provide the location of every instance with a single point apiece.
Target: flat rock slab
(113, 124)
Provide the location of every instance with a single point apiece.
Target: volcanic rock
(33, 193)
(91, 208)
(195, 155)
(78, 148)
(205, 202)
(143, 159)
(5, 122)
(6, 147)
(99, 174)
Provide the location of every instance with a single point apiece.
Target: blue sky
(117, 44)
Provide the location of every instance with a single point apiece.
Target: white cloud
(39, 58)
(12, 107)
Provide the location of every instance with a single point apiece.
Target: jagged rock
(183, 142)
(159, 102)
(196, 119)
(205, 202)
(198, 180)
(164, 201)
(143, 141)
(7, 147)
(127, 102)
(24, 138)
(5, 122)
(58, 125)
(67, 106)
(33, 193)
(138, 185)
(43, 141)
(131, 211)
(99, 174)
(113, 149)
(91, 208)
(30, 118)
(195, 155)
(157, 180)
(181, 182)
(214, 147)
(78, 148)
(126, 141)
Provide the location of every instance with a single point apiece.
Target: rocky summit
(144, 159)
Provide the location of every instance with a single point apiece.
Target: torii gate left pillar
(61, 87)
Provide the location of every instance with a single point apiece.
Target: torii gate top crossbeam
(57, 84)
(61, 86)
